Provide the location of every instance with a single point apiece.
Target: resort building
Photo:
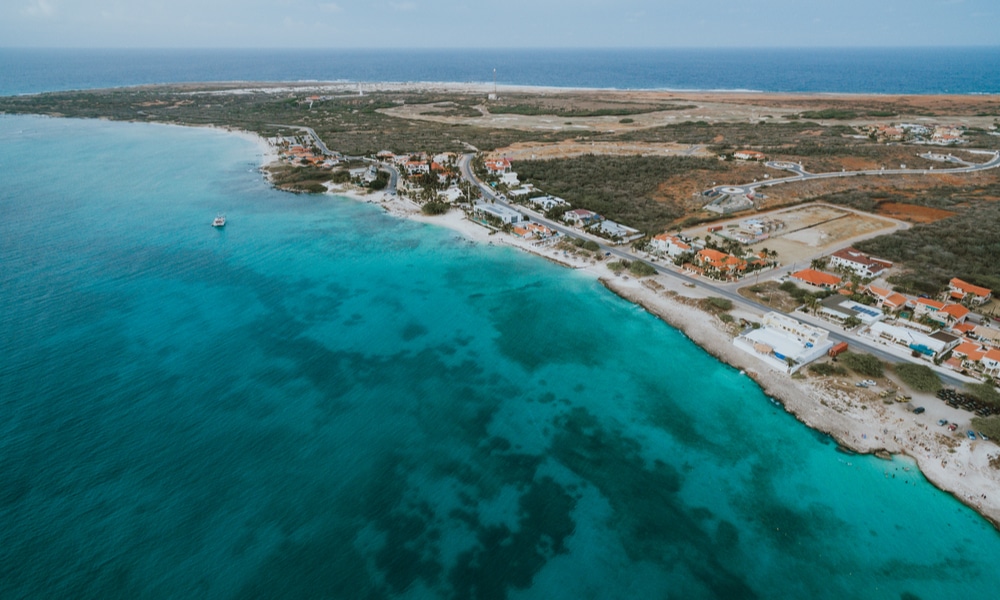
(507, 216)
(966, 292)
(784, 343)
(669, 245)
(888, 299)
(817, 279)
(720, 261)
(858, 262)
(497, 167)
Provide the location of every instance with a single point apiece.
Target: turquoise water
(324, 401)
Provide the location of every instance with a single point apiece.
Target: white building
(858, 262)
(508, 216)
(930, 345)
(841, 308)
(670, 245)
(784, 343)
(581, 217)
(546, 203)
(618, 231)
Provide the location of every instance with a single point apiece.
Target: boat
(220, 221)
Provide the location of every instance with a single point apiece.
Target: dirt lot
(913, 213)
(812, 230)
(769, 293)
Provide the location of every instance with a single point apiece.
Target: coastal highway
(875, 349)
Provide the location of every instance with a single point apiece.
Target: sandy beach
(856, 418)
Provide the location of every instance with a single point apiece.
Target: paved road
(737, 300)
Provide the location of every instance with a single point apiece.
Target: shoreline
(856, 423)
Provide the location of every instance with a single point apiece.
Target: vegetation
(300, 179)
(380, 182)
(641, 269)
(984, 392)
(434, 207)
(571, 112)
(620, 188)
(862, 364)
(931, 255)
(829, 113)
(920, 378)
(827, 369)
(990, 426)
(720, 303)
(591, 245)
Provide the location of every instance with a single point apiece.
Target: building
(510, 179)
(858, 262)
(670, 245)
(616, 231)
(966, 292)
(930, 345)
(507, 216)
(784, 343)
(547, 203)
(720, 261)
(840, 308)
(581, 217)
(817, 279)
(748, 155)
(497, 167)
(888, 298)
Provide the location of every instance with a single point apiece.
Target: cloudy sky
(497, 24)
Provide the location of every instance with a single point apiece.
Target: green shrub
(726, 317)
(591, 245)
(988, 425)
(862, 364)
(984, 392)
(434, 207)
(641, 269)
(920, 378)
(827, 368)
(720, 303)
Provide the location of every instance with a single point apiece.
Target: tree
(851, 322)
(819, 263)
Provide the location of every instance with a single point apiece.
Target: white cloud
(331, 7)
(39, 8)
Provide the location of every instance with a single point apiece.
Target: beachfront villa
(581, 217)
(616, 231)
(784, 343)
(840, 308)
(546, 203)
(489, 211)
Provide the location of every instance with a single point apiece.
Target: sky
(497, 24)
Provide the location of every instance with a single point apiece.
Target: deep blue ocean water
(325, 401)
(859, 70)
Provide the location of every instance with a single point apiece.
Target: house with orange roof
(887, 298)
(497, 167)
(725, 264)
(966, 292)
(817, 278)
(955, 313)
(969, 351)
(963, 328)
(926, 306)
(748, 155)
(670, 245)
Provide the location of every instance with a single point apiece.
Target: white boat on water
(220, 221)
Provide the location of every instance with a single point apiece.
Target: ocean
(322, 400)
(858, 70)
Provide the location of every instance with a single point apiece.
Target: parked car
(943, 422)
(971, 434)
(918, 410)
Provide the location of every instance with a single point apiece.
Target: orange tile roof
(931, 303)
(992, 354)
(970, 350)
(880, 292)
(968, 288)
(815, 277)
(895, 300)
(964, 327)
(955, 310)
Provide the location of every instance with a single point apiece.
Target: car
(943, 422)
(953, 427)
(918, 410)
(971, 434)
(983, 436)
(607, 254)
